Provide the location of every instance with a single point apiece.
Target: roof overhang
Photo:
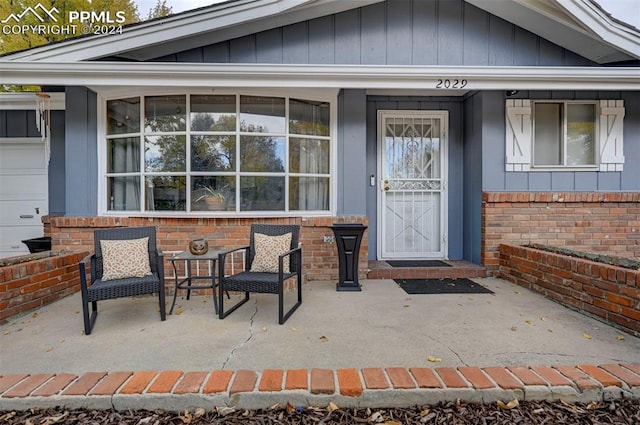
(446, 79)
(581, 26)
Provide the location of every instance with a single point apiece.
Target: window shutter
(611, 118)
(519, 134)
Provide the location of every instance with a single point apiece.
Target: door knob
(386, 185)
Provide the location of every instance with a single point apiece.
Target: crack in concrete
(251, 334)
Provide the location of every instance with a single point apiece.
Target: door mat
(417, 263)
(442, 286)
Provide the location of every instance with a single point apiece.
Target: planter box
(606, 291)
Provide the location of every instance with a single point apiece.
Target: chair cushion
(125, 258)
(268, 248)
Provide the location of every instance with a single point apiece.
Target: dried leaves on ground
(617, 412)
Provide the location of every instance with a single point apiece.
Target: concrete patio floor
(381, 326)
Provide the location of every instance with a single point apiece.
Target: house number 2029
(445, 83)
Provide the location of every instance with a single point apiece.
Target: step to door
(458, 269)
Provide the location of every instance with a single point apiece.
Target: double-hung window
(195, 153)
(564, 135)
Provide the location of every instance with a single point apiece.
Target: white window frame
(324, 95)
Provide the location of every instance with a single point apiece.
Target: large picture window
(227, 153)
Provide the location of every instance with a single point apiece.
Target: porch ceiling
(118, 74)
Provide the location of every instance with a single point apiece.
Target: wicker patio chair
(271, 282)
(119, 242)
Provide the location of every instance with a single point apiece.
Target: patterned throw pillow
(268, 248)
(122, 259)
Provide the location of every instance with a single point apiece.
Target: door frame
(443, 115)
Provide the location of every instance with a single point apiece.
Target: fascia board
(112, 74)
(622, 37)
(157, 32)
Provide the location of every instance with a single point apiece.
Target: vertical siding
(352, 193)
(472, 184)
(81, 180)
(395, 32)
(57, 164)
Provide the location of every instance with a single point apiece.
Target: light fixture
(510, 93)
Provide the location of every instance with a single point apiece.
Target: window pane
(213, 193)
(165, 193)
(165, 113)
(213, 113)
(262, 114)
(123, 155)
(308, 117)
(547, 148)
(309, 193)
(261, 193)
(309, 156)
(165, 153)
(581, 129)
(124, 193)
(262, 153)
(213, 153)
(123, 116)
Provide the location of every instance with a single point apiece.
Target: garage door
(23, 193)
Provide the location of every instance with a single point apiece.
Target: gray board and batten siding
(395, 32)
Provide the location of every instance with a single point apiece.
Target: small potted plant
(213, 198)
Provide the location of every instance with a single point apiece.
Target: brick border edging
(367, 387)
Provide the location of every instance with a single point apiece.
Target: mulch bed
(622, 411)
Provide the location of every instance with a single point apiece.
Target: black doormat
(441, 286)
(417, 263)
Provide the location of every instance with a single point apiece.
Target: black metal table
(186, 282)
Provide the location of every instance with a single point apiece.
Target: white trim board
(150, 74)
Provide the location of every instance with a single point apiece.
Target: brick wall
(32, 284)
(609, 292)
(590, 221)
(320, 259)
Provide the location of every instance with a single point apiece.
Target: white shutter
(518, 135)
(611, 119)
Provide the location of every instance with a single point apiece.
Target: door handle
(385, 185)
(26, 216)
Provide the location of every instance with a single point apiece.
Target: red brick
(244, 382)
(9, 381)
(451, 377)
(271, 380)
(374, 378)
(165, 382)
(601, 376)
(218, 382)
(84, 383)
(138, 382)
(581, 379)
(503, 378)
(477, 378)
(349, 382)
(400, 378)
(190, 383)
(54, 386)
(425, 377)
(110, 384)
(322, 381)
(632, 379)
(527, 376)
(552, 376)
(297, 380)
(26, 386)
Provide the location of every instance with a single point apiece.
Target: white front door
(412, 214)
(23, 193)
